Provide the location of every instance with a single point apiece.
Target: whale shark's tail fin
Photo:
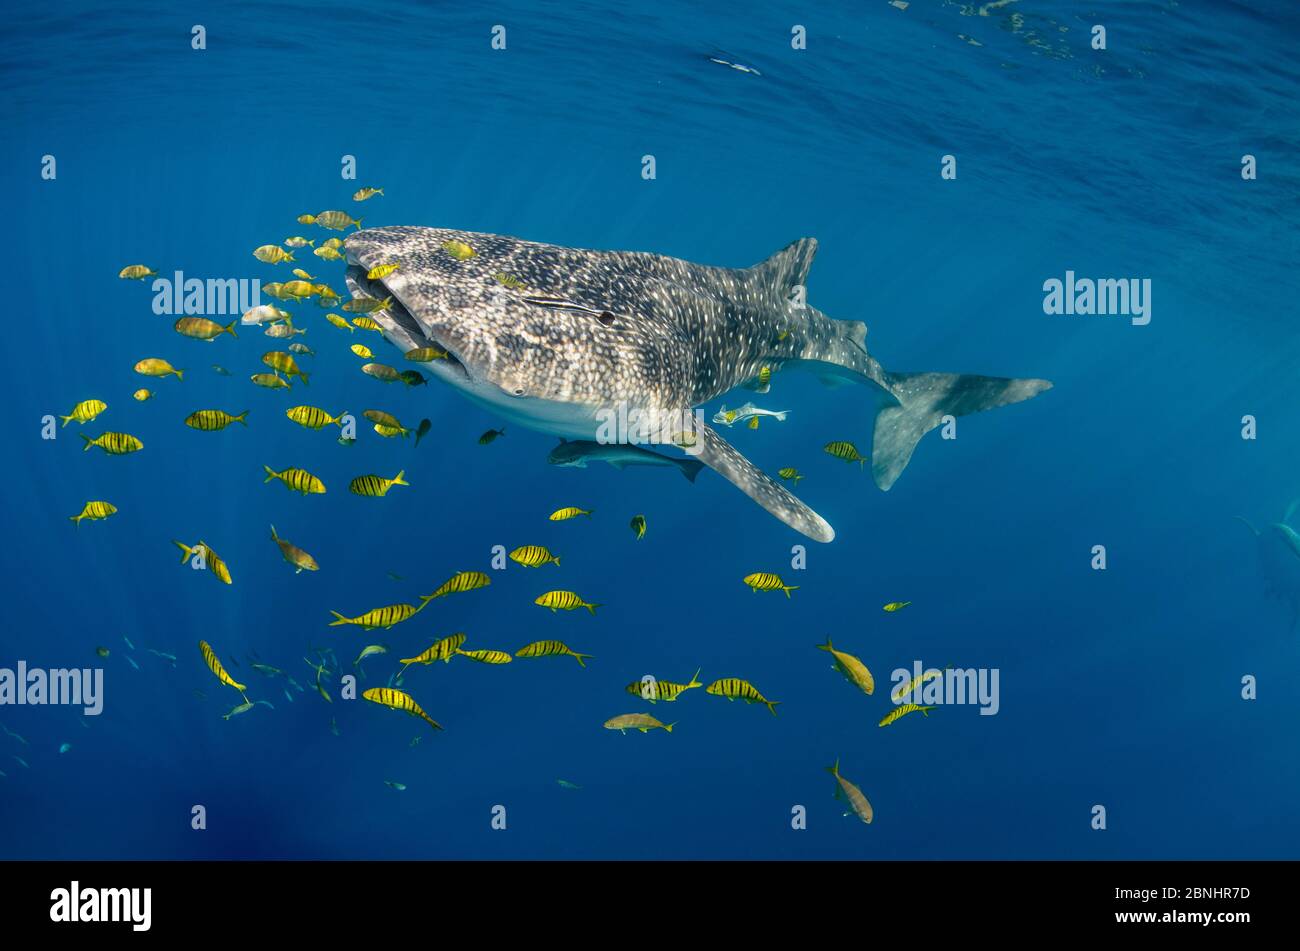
(924, 400)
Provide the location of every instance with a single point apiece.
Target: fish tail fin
(186, 550)
(691, 468)
(270, 474)
(274, 536)
(358, 224)
(89, 442)
(230, 329)
(668, 728)
(399, 480)
(243, 417)
(556, 559)
(834, 770)
(76, 520)
(66, 420)
(782, 415)
(787, 588)
(695, 679)
(828, 646)
(592, 607)
(339, 619)
(771, 705)
(579, 658)
(338, 420)
(180, 374)
(924, 400)
(302, 376)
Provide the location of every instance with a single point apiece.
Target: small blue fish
(398, 786)
(132, 663)
(22, 761)
(128, 642)
(288, 696)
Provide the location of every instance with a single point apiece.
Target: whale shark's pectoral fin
(720, 456)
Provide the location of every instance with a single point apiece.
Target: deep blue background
(1118, 687)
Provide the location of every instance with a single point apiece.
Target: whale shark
(558, 339)
(1277, 548)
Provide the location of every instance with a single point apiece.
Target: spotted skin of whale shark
(558, 339)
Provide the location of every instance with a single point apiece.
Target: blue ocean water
(1120, 688)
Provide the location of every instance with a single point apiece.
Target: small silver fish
(398, 786)
(132, 662)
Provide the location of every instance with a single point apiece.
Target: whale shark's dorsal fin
(724, 459)
(787, 268)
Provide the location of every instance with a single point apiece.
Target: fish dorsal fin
(723, 458)
(787, 268)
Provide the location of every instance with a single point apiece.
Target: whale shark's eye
(519, 391)
(606, 318)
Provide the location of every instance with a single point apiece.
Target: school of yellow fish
(284, 369)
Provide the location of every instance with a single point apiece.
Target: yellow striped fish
(285, 363)
(851, 667)
(299, 480)
(94, 511)
(852, 794)
(549, 649)
(563, 601)
(200, 328)
(334, 220)
(366, 323)
(846, 451)
(313, 418)
(487, 656)
(788, 473)
(533, 556)
(366, 305)
(136, 272)
(272, 381)
(893, 606)
(458, 250)
(388, 697)
(361, 350)
(638, 526)
(211, 420)
(906, 690)
(459, 582)
(375, 486)
(210, 559)
(426, 354)
(766, 581)
(214, 665)
(85, 411)
(733, 688)
(387, 420)
(903, 711)
(115, 444)
(377, 617)
(340, 323)
(381, 271)
(141, 395)
(444, 650)
(665, 690)
(564, 514)
(637, 721)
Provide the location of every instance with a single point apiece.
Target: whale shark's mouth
(407, 326)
